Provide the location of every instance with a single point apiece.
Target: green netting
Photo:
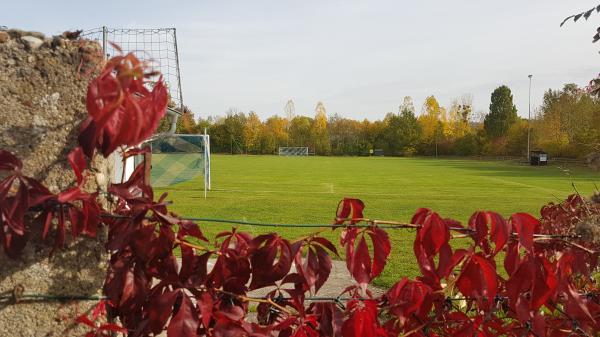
(177, 158)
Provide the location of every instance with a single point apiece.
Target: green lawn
(307, 190)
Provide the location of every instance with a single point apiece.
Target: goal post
(293, 151)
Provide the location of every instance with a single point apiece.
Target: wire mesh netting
(178, 158)
(157, 46)
(293, 151)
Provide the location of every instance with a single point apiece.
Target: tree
(410, 132)
(459, 117)
(319, 134)
(252, 132)
(344, 136)
(186, 123)
(274, 134)
(407, 105)
(570, 119)
(299, 131)
(432, 121)
(516, 143)
(402, 131)
(234, 128)
(503, 113)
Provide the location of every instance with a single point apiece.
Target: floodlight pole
(529, 122)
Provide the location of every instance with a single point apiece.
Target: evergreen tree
(503, 113)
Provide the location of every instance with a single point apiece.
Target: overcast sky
(360, 58)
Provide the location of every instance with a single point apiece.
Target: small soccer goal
(179, 158)
(293, 151)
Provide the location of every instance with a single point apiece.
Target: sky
(360, 58)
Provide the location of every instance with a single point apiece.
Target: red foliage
(516, 276)
(123, 111)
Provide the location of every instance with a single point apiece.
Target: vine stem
(258, 300)
(415, 330)
(309, 236)
(197, 247)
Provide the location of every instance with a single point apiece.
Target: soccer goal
(293, 151)
(177, 158)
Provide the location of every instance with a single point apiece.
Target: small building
(537, 158)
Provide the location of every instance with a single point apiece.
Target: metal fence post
(104, 41)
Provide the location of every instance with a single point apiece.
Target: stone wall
(43, 82)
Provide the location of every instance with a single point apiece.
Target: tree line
(567, 124)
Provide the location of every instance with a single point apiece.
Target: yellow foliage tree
(252, 132)
(433, 120)
(319, 132)
(458, 118)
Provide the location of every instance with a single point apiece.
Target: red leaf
(315, 267)
(185, 322)
(349, 208)
(359, 262)
(434, 232)
(408, 299)
(160, 309)
(205, 303)
(500, 230)
(78, 163)
(112, 328)
(330, 318)
(325, 243)
(381, 250)
(479, 224)
(363, 320)
(123, 111)
(478, 280)
(189, 228)
(525, 225)
(271, 260)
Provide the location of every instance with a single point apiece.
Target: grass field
(307, 190)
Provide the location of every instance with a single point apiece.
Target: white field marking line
(329, 187)
(506, 181)
(442, 194)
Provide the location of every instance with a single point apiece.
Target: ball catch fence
(156, 46)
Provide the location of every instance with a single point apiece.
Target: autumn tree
(432, 121)
(252, 132)
(344, 136)
(186, 123)
(503, 113)
(274, 134)
(319, 134)
(300, 131)
(569, 119)
(459, 117)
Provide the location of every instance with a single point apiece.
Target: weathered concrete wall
(43, 84)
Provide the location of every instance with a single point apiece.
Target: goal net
(178, 158)
(293, 151)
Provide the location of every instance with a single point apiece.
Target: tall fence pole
(529, 122)
(104, 41)
(178, 70)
